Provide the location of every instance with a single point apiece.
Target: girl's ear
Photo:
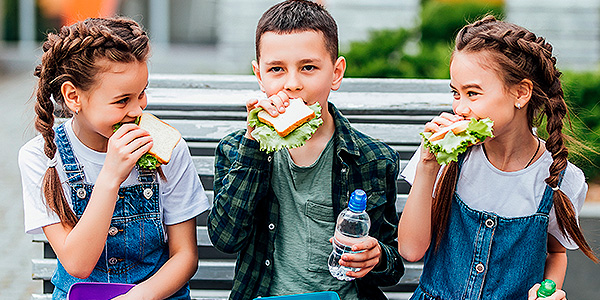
(256, 70)
(71, 95)
(523, 91)
(338, 73)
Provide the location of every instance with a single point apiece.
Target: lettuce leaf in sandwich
(271, 141)
(452, 144)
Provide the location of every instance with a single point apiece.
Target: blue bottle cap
(358, 201)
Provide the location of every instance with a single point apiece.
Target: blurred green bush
(424, 52)
(582, 92)
(420, 52)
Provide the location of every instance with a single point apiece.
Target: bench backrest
(204, 108)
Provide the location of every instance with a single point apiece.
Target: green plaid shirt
(245, 211)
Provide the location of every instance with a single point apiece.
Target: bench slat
(216, 270)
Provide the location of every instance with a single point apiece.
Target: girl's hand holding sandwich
(443, 120)
(125, 147)
(433, 126)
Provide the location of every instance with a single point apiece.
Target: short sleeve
(32, 164)
(182, 195)
(409, 171)
(575, 187)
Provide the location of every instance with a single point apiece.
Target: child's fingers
(368, 244)
(369, 257)
(269, 106)
(251, 104)
(532, 294)
(452, 117)
(558, 295)
(281, 101)
(361, 273)
(431, 127)
(123, 130)
(441, 121)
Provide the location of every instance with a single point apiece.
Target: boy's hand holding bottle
(354, 253)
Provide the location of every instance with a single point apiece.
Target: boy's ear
(338, 73)
(523, 91)
(256, 70)
(71, 96)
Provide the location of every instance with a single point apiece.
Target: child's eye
(142, 94)
(455, 94)
(309, 68)
(276, 69)
(472, 94)
(122, 101)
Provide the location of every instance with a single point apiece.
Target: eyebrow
(467, 86)
(129, 94)
(302, 61)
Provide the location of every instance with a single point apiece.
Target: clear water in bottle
(352, 226)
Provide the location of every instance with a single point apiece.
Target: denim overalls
(135, 247)
(486, 256)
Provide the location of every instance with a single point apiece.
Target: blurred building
(222, 31)
(217, 36)
(571, 26)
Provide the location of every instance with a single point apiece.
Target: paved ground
(16, 248)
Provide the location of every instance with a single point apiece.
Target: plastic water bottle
(547, 288)
(351, 228)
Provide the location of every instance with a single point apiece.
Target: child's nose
(461, 108)
(136, 109)
(293, 82)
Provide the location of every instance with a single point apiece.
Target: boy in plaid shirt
(278, 210)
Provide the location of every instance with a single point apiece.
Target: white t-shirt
(511, 194)
(182, 196)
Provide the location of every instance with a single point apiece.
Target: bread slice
(164, 136)
(295, 115)
(456, 127)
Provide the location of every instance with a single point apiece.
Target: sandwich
(164, 137)
(290, 129)
(450, 141)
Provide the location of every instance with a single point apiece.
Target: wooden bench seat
(204, 108)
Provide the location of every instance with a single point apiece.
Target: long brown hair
(517, 54)
(71, 56)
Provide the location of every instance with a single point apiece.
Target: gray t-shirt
(306, 222)
(511, 194)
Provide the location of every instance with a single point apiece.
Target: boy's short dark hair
(299, 15)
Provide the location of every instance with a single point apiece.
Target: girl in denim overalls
(107, 220)
(483, 232)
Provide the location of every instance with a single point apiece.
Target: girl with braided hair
(498, 221)
(106, 220)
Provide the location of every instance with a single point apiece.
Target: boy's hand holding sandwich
(280, 122)
(448, 135)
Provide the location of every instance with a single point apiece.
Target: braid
(71, 56)
(440, 212)
(519, 54)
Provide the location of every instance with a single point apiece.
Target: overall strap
(461, 160)
(72, 168)
(547, 198)
(146, 175)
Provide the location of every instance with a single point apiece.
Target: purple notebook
(97, 290)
